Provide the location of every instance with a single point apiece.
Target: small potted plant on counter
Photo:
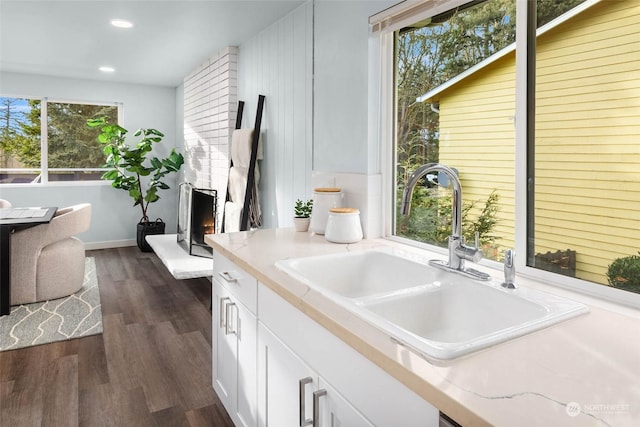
(302, 212)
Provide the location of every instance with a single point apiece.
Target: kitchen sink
(439, 314)
(359, 274)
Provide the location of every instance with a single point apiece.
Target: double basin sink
(439, 314)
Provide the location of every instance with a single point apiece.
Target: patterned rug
(75, 316)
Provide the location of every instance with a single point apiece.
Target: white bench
(179, 263)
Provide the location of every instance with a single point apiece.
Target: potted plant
(127, 167)
(624, 273)
(302, 212)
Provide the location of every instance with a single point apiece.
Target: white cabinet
(273, 366)
(224, 348)
(293, 394)
(364, 392)
(332, 409)
(234, 342)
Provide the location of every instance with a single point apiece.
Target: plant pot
(301, 224)
(145, 229)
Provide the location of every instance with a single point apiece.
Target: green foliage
(127, 164)
(70, 143)
(19, 134)
(303, 209)
(624, 273)
(430, 218)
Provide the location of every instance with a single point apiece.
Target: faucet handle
(509, 269)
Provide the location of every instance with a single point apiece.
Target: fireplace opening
(196, 218)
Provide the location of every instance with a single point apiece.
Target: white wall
(341, 100)
(313, 67)
(114, 217)
(277, 63)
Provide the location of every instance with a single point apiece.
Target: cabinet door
(245, 331)
(332, 410)
(234, 356)
(224, 347)
(285, 384)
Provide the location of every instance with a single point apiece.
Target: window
(465, 126)
(455, 103)
(67, 151)
(584, 167)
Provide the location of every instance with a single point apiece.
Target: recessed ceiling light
(121, 23)
(106, 69)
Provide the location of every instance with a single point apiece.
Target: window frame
(43, 178)
(525, 126)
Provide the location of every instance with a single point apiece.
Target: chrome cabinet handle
(302, 395)
(223, 311)
(316, 406)
(228, 310)
(228, 277)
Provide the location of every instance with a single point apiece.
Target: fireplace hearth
(196, 219)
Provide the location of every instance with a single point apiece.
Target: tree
(7, 131)
(19, 140)
(71, 143)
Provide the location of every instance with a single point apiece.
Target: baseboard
(109, 244)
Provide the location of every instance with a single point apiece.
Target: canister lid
(344, 210)
(327, 190)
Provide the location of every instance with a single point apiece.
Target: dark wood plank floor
(150, 367)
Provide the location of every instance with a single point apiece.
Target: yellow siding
(477, 137)
(587, 137)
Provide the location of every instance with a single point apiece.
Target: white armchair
(47, 262)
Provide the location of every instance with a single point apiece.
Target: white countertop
(582, 372)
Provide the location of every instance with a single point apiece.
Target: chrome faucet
(458, 251)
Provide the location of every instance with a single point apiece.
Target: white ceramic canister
(343, 226)
(323, 200)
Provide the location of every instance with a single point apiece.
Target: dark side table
(8, 226)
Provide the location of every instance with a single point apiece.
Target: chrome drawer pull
(316, 406)
(228, 310)
(228, 277)
(222, 311)
(301, 394)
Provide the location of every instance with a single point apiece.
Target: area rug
(75, 316)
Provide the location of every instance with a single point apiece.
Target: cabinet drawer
(238, 282)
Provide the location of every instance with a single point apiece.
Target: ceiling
(169, 39)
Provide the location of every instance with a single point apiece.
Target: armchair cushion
(46, 261)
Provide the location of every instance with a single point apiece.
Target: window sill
(59, 184)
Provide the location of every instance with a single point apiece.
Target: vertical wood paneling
(277, 63)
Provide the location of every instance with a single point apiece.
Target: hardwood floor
(150, 367)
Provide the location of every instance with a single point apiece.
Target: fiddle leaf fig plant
(128, 165)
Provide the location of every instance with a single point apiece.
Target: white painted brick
(210, 110)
